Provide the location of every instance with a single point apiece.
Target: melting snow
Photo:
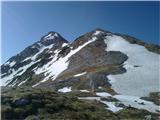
(100, 87)
(137, 81)
(89, 98)
(132, 101)
(40, 45)
(103, 94)
(56, 34)
(41, 50)
(6, 79)
(22, 82)
(64, 44)
(110, 105)
(3, 74)
(65, 89)
(136, 102)
(27, 59)
(12, 63)
(80, 74)
(33, 46)
(84, 90)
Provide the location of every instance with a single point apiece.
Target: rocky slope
(114, 69)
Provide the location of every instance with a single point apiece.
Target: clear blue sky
(24, 23)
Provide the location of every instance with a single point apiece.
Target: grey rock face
(21, 102)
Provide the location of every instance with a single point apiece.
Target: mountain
(116, 67)
(36, 55)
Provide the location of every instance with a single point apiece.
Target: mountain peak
(100, 30)
(50, 35)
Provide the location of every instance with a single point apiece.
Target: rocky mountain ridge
(86, 53)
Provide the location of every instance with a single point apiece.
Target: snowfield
(97, 32)
(111, 106)
(140, 80)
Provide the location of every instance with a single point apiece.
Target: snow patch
(80, 74)
(65, 90)
(89, 98)
(84, 90)
(51, 36)
(103, 94)
(97, 32)
(3, 74)
(12, 63)
(22, 82)
(111, 106)
(100, 87)
(136, 102)
(65, 44)
(26, 59)
(137, 81)
(132, 101)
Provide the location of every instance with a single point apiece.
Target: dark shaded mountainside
(99, 67)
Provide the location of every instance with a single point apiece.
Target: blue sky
(24, 23)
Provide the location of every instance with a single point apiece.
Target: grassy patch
(154, 97)
(46, 104)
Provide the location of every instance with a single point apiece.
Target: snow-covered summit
(51, 35)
